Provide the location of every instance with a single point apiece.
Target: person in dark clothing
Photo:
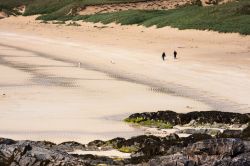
(175, 55)
(163, 56)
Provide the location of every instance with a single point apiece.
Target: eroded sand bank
(77, 83)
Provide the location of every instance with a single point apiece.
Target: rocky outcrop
(211, 118)
(34, 153)
(212, 152)
(70, 146)
(229, 148)
(197, 149)
(243, 134)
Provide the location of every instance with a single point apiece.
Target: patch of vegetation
(244, 9)
(53, 9)
(73, 24)
(8, 6)
(128, 149)
(196, 2)
(135, 120)
(56, 8)
(150, 123)
(229, 17)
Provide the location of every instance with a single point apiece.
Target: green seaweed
(150, 123)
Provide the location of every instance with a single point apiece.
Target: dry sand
(66, 83)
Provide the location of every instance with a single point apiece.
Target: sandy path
(49, 96)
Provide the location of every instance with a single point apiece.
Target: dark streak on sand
(157, 86)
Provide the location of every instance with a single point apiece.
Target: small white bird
(79, 64)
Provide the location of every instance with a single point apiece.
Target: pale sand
(49, 97)
(109, 153)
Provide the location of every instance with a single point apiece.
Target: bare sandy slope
(3, 15)
(149, 5)
(76, 83)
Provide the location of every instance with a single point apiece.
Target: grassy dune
(230, 17)
(55, 7)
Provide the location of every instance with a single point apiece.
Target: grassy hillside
(230, 17)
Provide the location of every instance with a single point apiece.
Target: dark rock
(45, 144)
(203, 117)
(7, 141)
(96, 143)
(246, 133)
(116, 142)
(195, 138)
(34, 153)
(195, 150)
(246, 146)
(168, 116)
(240, 160)
(173, 136)
(200, 131)
(230, 134)
(226, 146)
(139, 141)
(70, 146)
(211, 117)
(170, 160)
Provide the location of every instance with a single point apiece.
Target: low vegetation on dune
(229, 17)
(10, 6)
(55, 8)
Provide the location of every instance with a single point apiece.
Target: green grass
(55, 7)
(149, 123)
(8, 6)
(230, 17)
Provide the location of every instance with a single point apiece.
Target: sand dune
(77, 83)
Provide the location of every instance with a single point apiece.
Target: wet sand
(77, 83)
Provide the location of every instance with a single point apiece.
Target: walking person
(163, 56)
(175, 55)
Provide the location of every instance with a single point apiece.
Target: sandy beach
(61, 83)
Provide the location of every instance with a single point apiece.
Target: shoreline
(226, 146)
